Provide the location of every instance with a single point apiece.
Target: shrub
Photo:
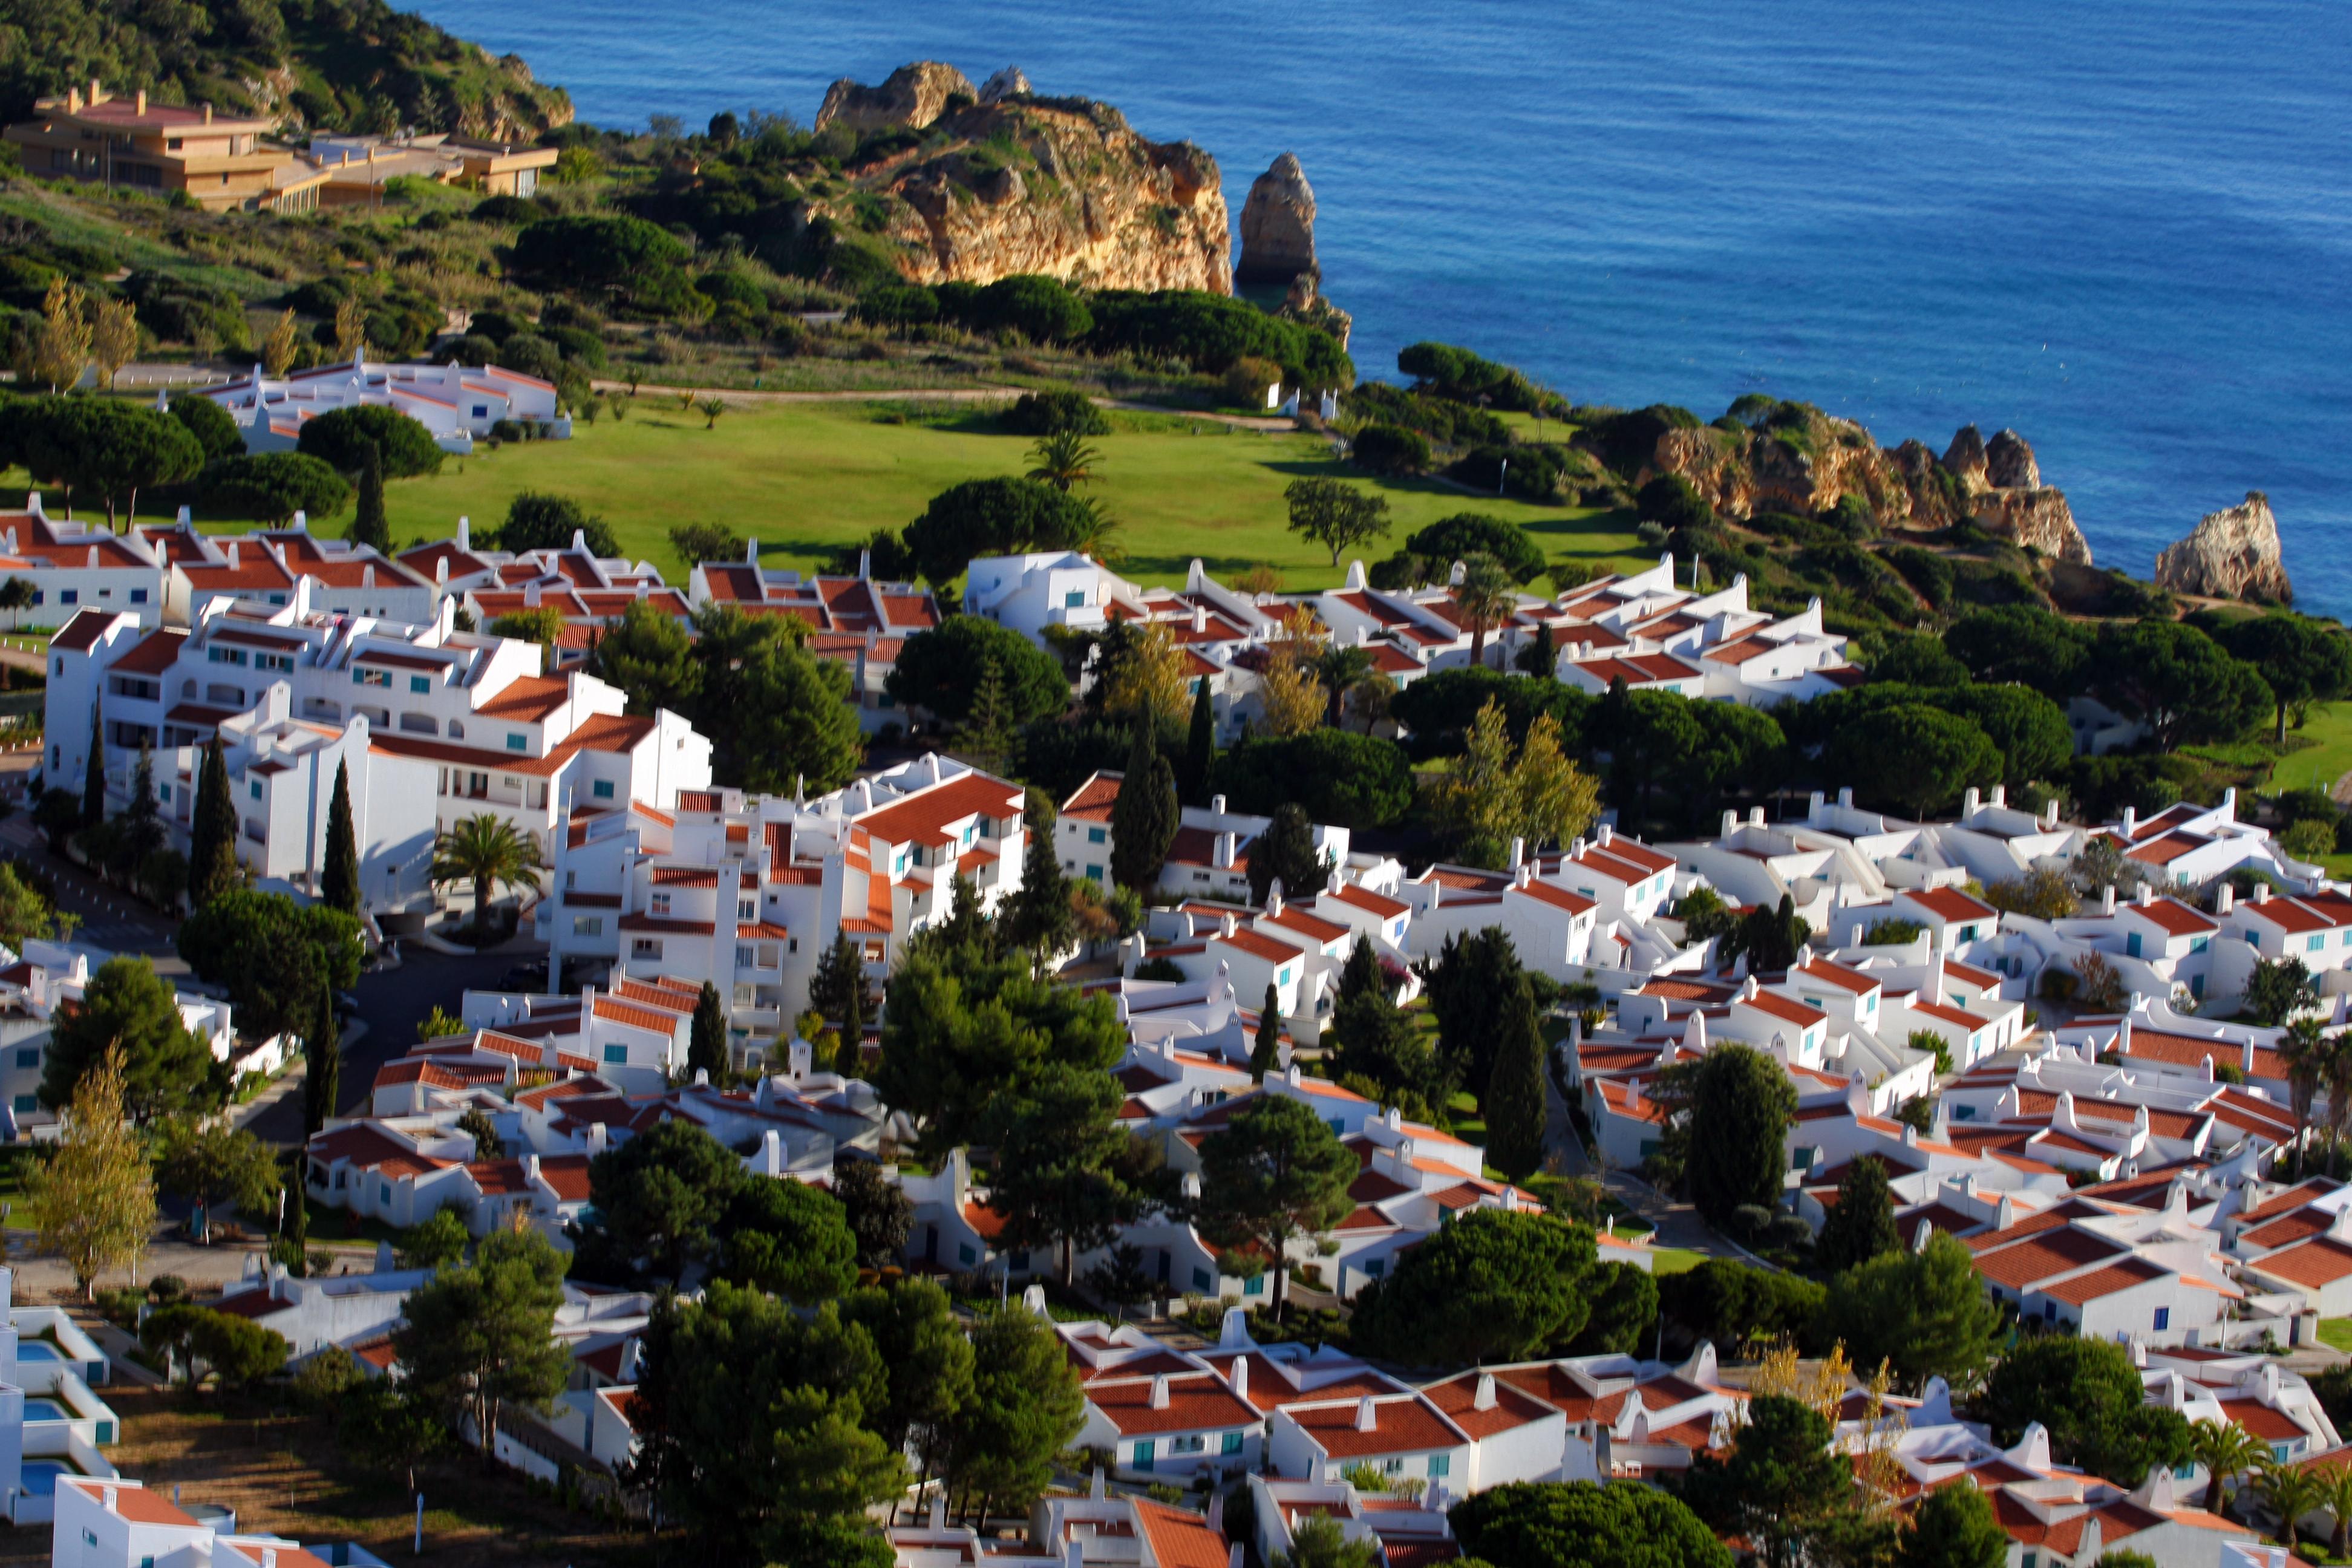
(1052, 413)
(896, 305)
(1040, 308)
(528, 354)
(590, 249)
(1672, 501)
(1891, 933)
(1389, 450)
(1526, 472)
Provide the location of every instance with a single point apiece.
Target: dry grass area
(285, 1473)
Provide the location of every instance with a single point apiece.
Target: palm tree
(2304, 1049)
(1064, 459)
(1090, 531)
(1485, 595)
(2225, 1449)
(485, 849)
(2336, 1497)
(2337, 1072)
(2291, 1493)
(1339, 668)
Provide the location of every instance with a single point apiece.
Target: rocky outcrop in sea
(1278, 226)
(2233, 554)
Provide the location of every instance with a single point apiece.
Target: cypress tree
(323, 1083)
(93, 772)
(1143, 819)
(706, 1047)
(338, 883)
(212, 831)
(371, 527)
(1200, 748)
(1360, 975)
(1514, 1105)
(1266, 1055)
(838, 992)
(1861, 1224)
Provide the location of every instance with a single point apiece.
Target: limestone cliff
(1024, 183)
(2233, 554)
(1796, 458)
(1278, 226)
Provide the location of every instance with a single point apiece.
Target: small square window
(602, 789)
(28, 1056)
(616, 1053)
(68, 595)
(516, 743)
(1094, 836)
(25, 1102)
(256, 787)
(138, 595)
(420, 684)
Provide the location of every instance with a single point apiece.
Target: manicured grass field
(805, 477)
(1674, 1260)
(2319, 766)
(2335, 1333)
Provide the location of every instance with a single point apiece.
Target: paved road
(110, 919)
(393, 1002)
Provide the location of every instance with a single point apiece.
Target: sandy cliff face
(1059, 186)
(2233, 554)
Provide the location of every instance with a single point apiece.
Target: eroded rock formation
(1805, 461)
(1278, 226)
(2233, 554)
(912, 96)
(1007, 83)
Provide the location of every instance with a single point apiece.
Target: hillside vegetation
(352, 65)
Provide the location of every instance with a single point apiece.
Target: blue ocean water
(2121, 230)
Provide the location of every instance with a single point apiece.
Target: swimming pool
(37, 1349)
(40, 1477)
(45, 1410)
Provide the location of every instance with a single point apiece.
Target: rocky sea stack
(1278, 226)
(2233, 554)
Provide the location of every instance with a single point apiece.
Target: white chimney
(1485, 1398)
(1160, 1392)
(1241, 1376)
(1367, 1417)
(465, 533)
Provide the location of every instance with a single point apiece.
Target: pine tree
(212, 831)
(1200, 748)
(1514, 1105)
(985, 736)
(322, 1053)
(338, 883)
(706, 1049)
(1861, 1224)
(371, 527)
(93, 772)
(1143, 820)
(1038, 918)
(1266, 1055)
(1286, 853)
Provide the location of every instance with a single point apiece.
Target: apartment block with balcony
(748, 892)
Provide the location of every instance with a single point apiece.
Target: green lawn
(2319, 766)
(1674, 1259)
(805, 477)
(2335, 1333)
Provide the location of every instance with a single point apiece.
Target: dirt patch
(285, 1475)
